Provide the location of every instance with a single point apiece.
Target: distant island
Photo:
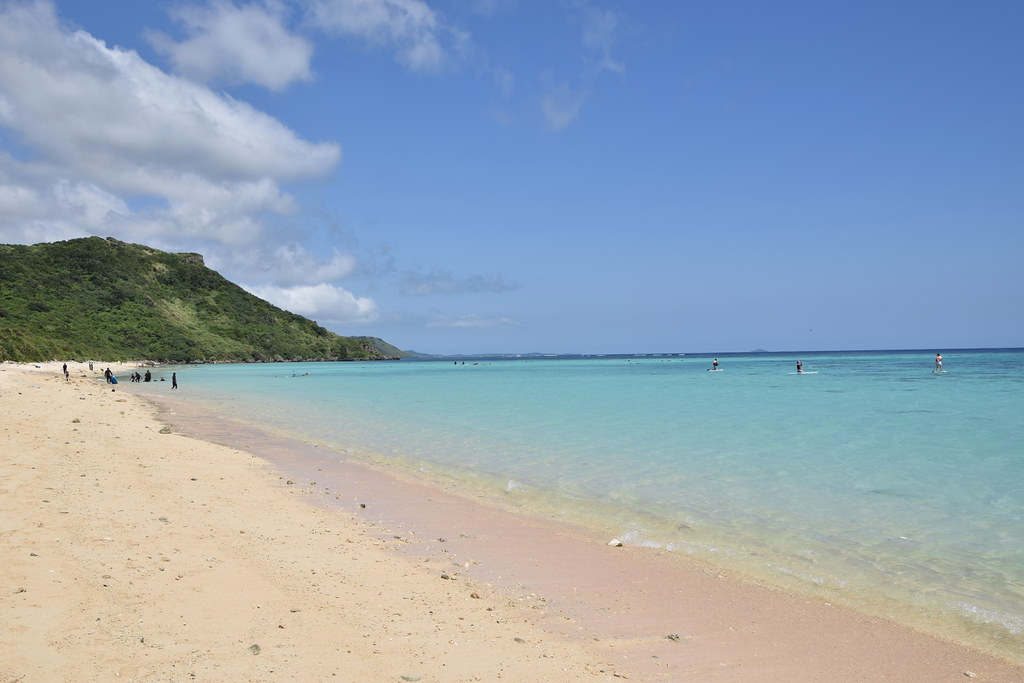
(94, 298)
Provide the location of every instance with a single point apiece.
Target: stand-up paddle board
(805, 372)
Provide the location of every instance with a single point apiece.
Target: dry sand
(133, 554)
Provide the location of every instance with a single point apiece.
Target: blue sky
(471, 176)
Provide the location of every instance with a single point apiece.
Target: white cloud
(442, 282)
(599, 35)
(297, 265)
(19, 201)
(322, 302)
(231, 44)
(112, 145)
(42, 209)
(418, 36)
(561, 105)
(106, 113)
(472, 321)
(286, 265)
(92, 205)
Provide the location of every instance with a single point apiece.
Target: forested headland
(94, 298)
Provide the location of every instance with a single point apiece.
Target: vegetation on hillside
(107, 299)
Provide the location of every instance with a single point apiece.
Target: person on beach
(174, 380)
(799, 368)
(67, 376)
(938, 363)
(107, 374)
(149, 376)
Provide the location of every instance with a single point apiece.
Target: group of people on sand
(108, 376)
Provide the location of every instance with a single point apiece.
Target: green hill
(106, 299)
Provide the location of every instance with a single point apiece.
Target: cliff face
(103, 298)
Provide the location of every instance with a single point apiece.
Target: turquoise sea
(869, 480)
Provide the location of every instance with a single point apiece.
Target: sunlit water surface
(869, 479)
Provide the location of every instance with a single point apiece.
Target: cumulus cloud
(417, 35)
(441, 282)
(107, 113)
(472, 321)
(323, 302)
(109, 141)
(286, 265)
(232, 44)
(94, 140)
(108, 144)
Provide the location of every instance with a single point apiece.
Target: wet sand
(380, 570)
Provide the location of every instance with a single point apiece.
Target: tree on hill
(103, 298)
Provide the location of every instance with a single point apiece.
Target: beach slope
(133, 554)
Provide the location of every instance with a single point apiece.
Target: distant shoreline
(419, 357)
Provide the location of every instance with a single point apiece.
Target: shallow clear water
(873, 482)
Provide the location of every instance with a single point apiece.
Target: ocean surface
(869, 480)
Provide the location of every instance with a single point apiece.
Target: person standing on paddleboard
(799, 368)
(938, 363)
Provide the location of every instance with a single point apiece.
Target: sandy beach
(144, 545)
